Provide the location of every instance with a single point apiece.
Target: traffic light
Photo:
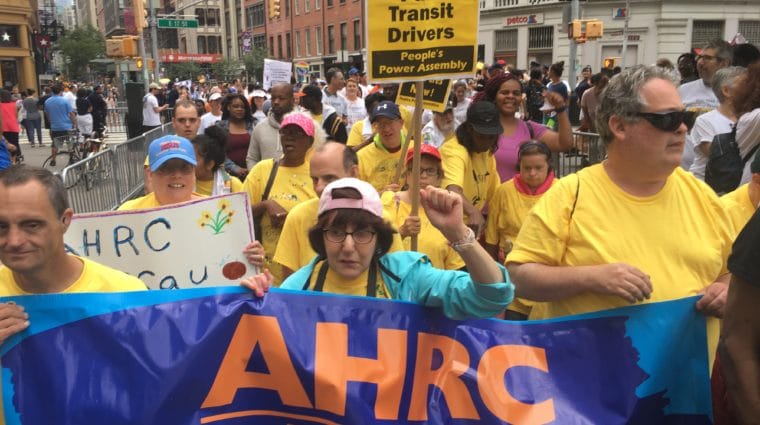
(274, 9)
(139, 62)
(124, 46)
(574, 30)
(594, 29)
(140, 14)
(610, 63)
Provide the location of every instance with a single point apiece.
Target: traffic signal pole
(141, 50)
(154, 41)
(574, 14)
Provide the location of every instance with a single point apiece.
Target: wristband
(468, 239)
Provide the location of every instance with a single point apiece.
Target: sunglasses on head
(669, 121)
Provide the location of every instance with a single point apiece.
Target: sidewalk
(37, 155)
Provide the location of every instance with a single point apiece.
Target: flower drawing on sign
(216, 222)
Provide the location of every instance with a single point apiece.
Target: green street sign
(178, 23)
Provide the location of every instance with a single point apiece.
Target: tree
(79, 47)
(183, 71)
(227, 69)
(254, 63)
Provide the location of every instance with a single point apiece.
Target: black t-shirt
(744, 261)
(83, 106)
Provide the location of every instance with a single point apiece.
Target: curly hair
(748, 98)
(227, 101)
(492, 87)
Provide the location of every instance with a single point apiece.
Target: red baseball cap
(425, 149)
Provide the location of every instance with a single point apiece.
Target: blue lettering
(86, 244)
(118, 241)
(169, 282)
(70, 250)
(147, 238)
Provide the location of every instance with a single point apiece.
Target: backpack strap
(270, 181)
(530, 130)
(751, 153)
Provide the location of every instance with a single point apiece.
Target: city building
(18, 19)
(317, 33)
(521, 31)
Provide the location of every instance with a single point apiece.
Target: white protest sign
(197, 243)
(276, 72)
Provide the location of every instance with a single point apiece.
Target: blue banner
(221, 356)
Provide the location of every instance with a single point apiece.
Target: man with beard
(265, 139)
(440, 128)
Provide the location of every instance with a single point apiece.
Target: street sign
(178, 23)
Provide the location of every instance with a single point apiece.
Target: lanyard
(322, 274)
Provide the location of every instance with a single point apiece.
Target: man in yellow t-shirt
(636, 228)
(330, 162)
(742, 202)
(34, 215)
(379, 160)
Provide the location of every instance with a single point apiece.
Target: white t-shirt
(356, 111)
(707, 126)
(72, 98)
(207, 120)
(747, 136)
(432, 135)
(150, 116)
(696, 96)
(460, 111)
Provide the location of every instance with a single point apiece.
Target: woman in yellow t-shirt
(511, 203)
(397, 207)
(210, 177)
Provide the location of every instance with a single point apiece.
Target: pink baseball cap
(370, 201)
(304, 122)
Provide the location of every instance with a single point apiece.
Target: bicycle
(98, 167)
(71, 151)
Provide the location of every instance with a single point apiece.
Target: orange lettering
(456, 361)
(494, 364)
(250, 332)
(334, 368)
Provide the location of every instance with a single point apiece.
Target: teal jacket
(409, 276)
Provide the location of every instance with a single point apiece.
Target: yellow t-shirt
(739, 207)
(294, 249)
(95, 277)
(681, 237)
(206, 187)
(378, 166)
(355, 135)
(147, 201)
(335, 284)
(475, 173)
(508, 208)
(430, 240)
(291, 186)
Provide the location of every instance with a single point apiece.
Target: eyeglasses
(359, 236)
(707, 58)
(432, 171)
(669, 121)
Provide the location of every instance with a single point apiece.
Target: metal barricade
(116, 121)
(587, 149)
(105, 180)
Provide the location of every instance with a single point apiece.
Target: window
(306, 6)
(540, 37)
(202, 44)
(342, 1)
(212, 18)
(288, 46)
(307, 38)
(330, 39)
(287, 8)
(317, 4)
(298, 44)
(505, 40)
(214, 44)
(751, 31)
(279, 46)
(249, 17)
(271, 46)
(357, 35)
(329, 3)
(258, 15)
(703, 32)
(318, 35)
(201, 14)
(260, 41)
(343, 36)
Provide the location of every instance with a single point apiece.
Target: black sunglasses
(669, 121)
